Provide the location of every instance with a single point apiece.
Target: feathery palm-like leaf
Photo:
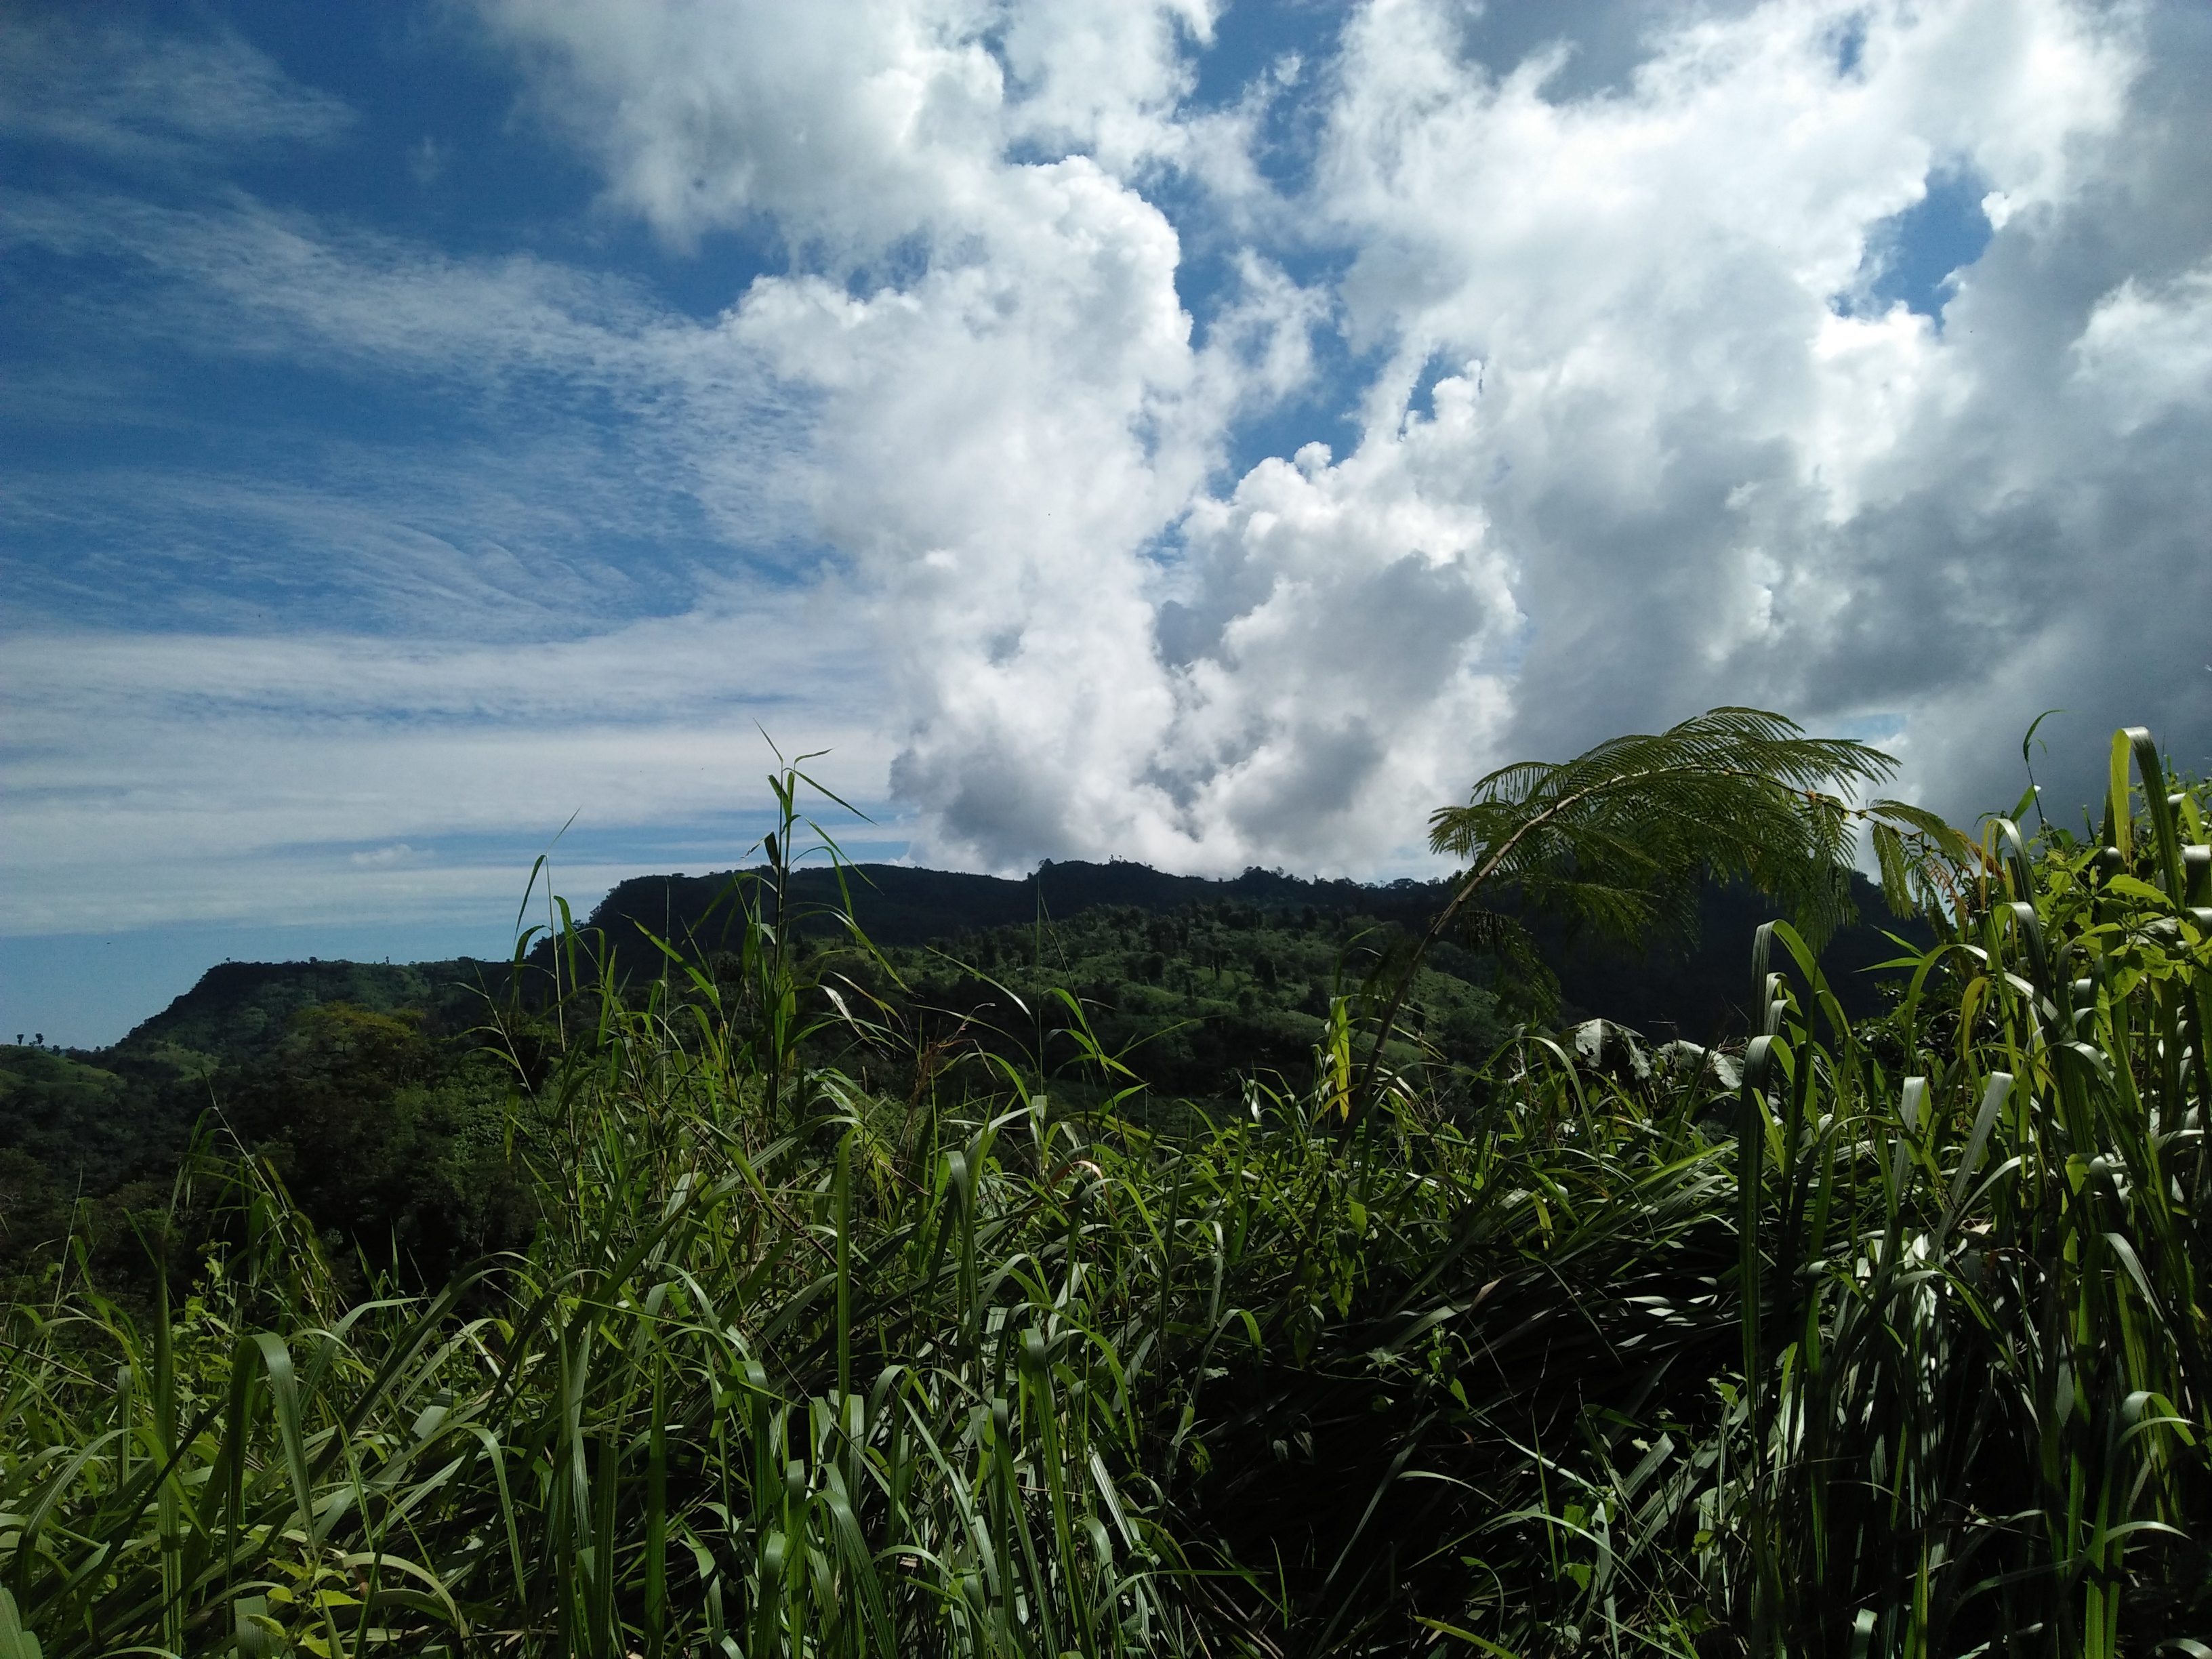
(1618, 837)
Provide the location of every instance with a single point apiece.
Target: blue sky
(1209, 436)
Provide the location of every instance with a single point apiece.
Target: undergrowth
(1883, 1340)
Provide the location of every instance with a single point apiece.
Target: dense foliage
(837, 1330)
(1197, 984)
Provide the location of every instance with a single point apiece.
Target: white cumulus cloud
(1634, 440)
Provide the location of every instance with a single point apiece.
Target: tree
(1618, 838)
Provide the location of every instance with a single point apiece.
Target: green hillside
(378, 1089)
(1687, 982)
(1202, 983)
(799, 1297)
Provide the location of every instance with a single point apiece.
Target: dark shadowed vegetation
(762, 1285)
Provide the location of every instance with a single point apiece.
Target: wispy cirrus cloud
(498, 445)
(191, 777)
(1629, 401)
(86, 81)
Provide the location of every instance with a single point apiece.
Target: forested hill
(371, 1088)
(1206, 980)
(238, 1009)
(896, 904)
(1696, 987)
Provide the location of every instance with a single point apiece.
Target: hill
(980, 1353)
(1695, 987)
(1202, 981)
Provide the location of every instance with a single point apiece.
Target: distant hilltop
(1695, 986)
(899, 904)
(1208, 975)
(241, 1007)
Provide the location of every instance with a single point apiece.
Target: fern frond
(1618, 837)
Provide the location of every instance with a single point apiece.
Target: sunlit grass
(1880, 1341)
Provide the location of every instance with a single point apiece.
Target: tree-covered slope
(1867, 1337)
(1202, 981)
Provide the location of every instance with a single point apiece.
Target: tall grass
(1887, 1340)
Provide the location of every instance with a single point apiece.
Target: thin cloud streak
(74, 80)
(150, 775)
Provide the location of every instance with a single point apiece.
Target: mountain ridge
(1686, 985)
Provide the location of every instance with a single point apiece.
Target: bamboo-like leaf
(1919, 1335)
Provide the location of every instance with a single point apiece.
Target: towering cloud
(1843, 358)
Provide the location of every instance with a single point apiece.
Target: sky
(1211, 436)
